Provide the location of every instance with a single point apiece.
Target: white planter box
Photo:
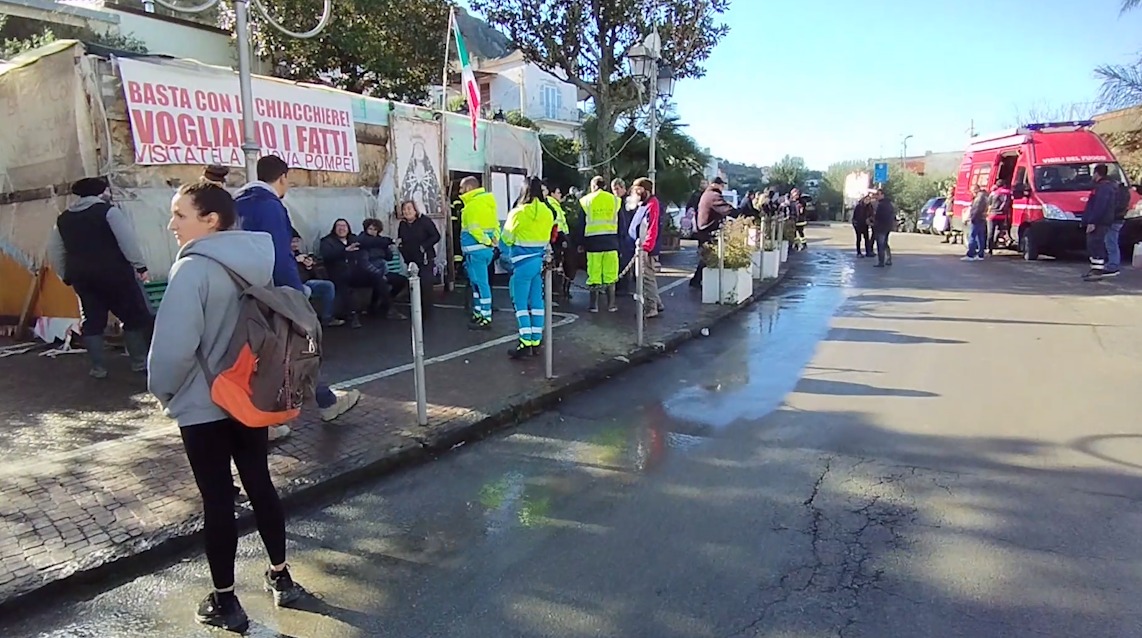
(770, 264)
(784, 250)
(755, 264)
(754, 238)
(737, 285)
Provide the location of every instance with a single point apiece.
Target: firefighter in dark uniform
(93, 249)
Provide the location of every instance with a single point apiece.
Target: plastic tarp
(44, 110)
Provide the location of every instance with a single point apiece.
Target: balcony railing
(537, 111)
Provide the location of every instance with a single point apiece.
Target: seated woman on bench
(348, 267)
(379, 253)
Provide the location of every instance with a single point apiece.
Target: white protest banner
(185, 116)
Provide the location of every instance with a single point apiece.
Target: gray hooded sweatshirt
(199, 312)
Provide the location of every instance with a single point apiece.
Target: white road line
(672, 285)
(455, 354)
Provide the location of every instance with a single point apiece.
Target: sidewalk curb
(121, 565)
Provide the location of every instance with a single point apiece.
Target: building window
(551, 99)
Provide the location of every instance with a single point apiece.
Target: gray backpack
(272, 362)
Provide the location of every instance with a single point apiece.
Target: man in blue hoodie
(1097, 218)
(260, 209)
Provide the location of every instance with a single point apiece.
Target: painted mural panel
(417, 156)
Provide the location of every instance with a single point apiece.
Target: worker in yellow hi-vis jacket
(601, 241)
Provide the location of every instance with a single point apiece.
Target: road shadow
(847, 388)
(870, 335)
(946, 275)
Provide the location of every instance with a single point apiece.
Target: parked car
(927, 216)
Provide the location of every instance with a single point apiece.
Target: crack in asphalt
(848, 530)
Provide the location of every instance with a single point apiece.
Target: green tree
(833, 183)
(515, 118)
(587, 42)
(678, 158)
(375, 47)
(910, 191)
(1122, 83)
(561, 162)
(33, 34)
(788, 173)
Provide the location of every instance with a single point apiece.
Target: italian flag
(471, 89)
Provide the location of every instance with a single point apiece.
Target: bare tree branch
(587, 42)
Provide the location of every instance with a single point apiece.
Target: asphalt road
(933, 449)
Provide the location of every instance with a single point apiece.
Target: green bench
(155, 290)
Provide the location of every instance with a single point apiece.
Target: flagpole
(447, 50)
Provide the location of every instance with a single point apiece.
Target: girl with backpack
(193, 331)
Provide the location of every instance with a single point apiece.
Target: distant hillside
(742, 176)
(483, 41)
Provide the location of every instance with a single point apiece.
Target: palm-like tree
(678, 158)
(1122, 83)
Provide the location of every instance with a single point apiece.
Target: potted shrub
(732, 282)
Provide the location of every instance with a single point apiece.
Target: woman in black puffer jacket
(348, 267)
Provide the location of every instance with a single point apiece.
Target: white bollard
(417, 344)
(721, 263)
(548, 346)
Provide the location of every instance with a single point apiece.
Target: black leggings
(209, 448)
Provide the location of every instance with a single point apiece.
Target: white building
(511, 83)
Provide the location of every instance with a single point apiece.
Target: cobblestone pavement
(91, 473)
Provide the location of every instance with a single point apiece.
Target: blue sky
(831, 80)
(853, 78)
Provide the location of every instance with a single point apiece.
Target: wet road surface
(937, 449)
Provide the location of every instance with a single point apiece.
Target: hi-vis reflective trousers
(602, 268)
(477, 263)
(527, 297)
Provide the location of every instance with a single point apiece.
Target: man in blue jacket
(260, 209)
(1097, 218)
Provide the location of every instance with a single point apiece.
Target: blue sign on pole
(880, 172)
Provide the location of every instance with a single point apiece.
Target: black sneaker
(281, 585)
(222, 610)
(520, 351)
(1110, 273)
(1093, 275)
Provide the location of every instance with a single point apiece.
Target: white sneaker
(967, 258)
(278, 432)
(345, 402)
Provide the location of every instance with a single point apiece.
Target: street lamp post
(646, 66)
(245, 84)
(904, 151)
